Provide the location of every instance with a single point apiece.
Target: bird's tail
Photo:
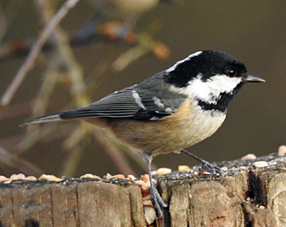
(44, 119)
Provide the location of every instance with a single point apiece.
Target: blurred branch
(78, 92)
(145, 43)
(111, 31)
(96, 76)
(20, 76)
(63, 64)
(22, 165)
(92, 31)
(129, 56)
(114, 154)
(72, 161)
(33, 136)
(45, 136)
(47, 88)
(76, 136)
(15, 111)
(87, 33)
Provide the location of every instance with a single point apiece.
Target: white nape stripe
(172, 68)
(158, 102)
(137, 99)
(210, 91)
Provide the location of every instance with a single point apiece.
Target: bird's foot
(157, 201)
(211, 167)
(205, 164)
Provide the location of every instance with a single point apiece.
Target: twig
(17, 110)
(77, 88)
(34, 135)
(129, 56)
(22, 165)
(72, 161)
(20, 76)
(115, 155)
(46, 136)
(47, 88)
(145, 44)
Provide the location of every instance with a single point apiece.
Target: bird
(169, 111)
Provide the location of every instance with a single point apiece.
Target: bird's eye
(231, 73)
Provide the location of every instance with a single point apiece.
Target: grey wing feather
(149, 100)
(116, 105)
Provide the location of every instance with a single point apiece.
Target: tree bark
(246, 196)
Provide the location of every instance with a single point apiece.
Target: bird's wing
(127, 103)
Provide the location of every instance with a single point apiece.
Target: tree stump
(245, 196)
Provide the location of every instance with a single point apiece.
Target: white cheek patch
(223, 83)
(172, 68)
(211, 90)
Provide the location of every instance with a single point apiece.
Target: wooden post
(247, 196)
(70, 204)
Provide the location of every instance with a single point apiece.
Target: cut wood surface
(245, 196)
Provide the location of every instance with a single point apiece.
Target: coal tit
(171, 110)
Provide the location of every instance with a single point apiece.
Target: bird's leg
(204, 163)
(155, 196)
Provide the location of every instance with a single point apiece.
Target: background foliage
(66, 76)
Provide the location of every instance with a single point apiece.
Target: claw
(214, 169)
(155, 196)
(204, 163)
(157, 201)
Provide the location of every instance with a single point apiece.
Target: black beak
(252, 78)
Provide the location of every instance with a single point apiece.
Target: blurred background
(100, 47)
